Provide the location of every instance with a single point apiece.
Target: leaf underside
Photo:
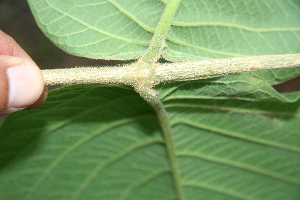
(235, 137)
(112, 148)
(122, 30)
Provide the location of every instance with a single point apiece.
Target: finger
(21, 84)
(40, 100)
(8, 46)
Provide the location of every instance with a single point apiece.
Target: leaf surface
(274, 77)
(240, 87)
(112, 148)
(233, 149)
(109, 148)
(122, 30)
(234, 137)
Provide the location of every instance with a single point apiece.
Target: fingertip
(25, 85)
(22, 84)
(40, 100)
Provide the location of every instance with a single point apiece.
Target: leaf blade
(200, 30)
(213, 29)
(236, 140)
(79, 146)
(229, 149)
(105, 38)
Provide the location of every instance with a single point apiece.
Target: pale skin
(21, 81)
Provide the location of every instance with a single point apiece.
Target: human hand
(21, 81)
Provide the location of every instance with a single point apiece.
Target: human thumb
(21, 83)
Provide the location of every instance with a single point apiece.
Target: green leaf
(231, 149)
(274, 77)
(99, 28)
(234, 137)
(119, 29)
(95, 142)
(72, 149)
(240, 87)
(217, 29)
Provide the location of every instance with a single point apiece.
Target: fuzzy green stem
(219, 67)
(157, 43)
(169, 72)
(88, 75)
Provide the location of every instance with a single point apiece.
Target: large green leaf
(235, 149)
(119, 29)
(241, 87)
(234, 137)
(216, 29)
(86, 142)
(95, 142)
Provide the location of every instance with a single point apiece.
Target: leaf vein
(152, 176)
(79, 143)
(239, 27)
(256, 170)
(132, 17)
(237, 136)
(101, 166)
(96, 29)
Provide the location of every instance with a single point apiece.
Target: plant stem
(157, 43)
(144, 86)
(219, 67)
(88, 75)
(169, 72)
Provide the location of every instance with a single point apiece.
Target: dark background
(17, 21)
